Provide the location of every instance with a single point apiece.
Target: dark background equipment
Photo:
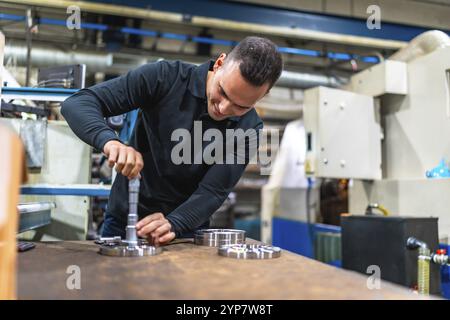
(379, 240)
(69, 77)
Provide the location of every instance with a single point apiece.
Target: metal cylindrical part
(133, 200)
(218, 237)
(423, 271)
(142, 249)
(132, 238)
(132, 219)
(133, 185)
(249, 251)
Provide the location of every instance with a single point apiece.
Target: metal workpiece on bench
(249, 251)
(218, 237)
(131, 246)
(121, 248)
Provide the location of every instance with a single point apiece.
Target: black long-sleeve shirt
(170, 95)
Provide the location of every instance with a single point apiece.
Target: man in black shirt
(179, 190)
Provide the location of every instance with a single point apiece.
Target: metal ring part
(123, 249)
(249, 251)
(218, 237)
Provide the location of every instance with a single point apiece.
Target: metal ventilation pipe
(297, 80)
(42, 56)
(421, 45)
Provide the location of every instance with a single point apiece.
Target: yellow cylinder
(423, 272)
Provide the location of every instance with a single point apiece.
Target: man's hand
(156, 228)
(128, 161)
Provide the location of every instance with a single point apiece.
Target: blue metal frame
(65, 191)
(36, 94)
(269, 15)
(30, 90)
(12, 17)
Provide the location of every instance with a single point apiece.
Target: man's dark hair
(260, 61)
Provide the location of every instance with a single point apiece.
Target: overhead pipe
(42, 56)
(421, 45)
(297, 80)
(197, 39)
(221, 24)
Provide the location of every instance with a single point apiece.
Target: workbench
(186, 271)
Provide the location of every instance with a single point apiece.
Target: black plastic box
(379, 240)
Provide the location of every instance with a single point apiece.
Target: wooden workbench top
(187, 271)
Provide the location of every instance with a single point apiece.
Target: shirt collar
(197, 83)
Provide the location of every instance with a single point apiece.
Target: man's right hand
(128, 161)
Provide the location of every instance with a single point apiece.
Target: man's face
(228, 93)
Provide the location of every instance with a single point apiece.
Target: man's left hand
(156, 228)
